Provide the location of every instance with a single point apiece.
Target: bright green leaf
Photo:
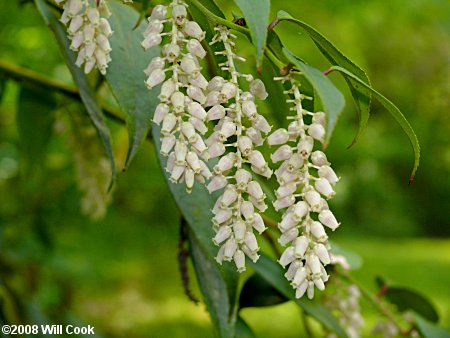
(273, 273)
(394, 111)
(196, 209)
(126, 74)
(332, 99)
(86, 92)
(256, 13)
(360, 95)
(35, 117)
(430, 330)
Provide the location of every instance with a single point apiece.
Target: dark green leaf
(213, 288)
(406, 299)
(394, 111)
(352, 257)
(256, 13)
(273, 273)
(276, 46)
(126, 74)
(332, 99)
(360, 95)
(35, 117)
(430, 330)
(86, 92)
(196, 209)
(257, 292)
(243, 330)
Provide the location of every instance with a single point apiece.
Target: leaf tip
(411, 179)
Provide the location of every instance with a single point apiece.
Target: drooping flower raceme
(306, 181)
(89, 30)
(239, 129)
(180, 111)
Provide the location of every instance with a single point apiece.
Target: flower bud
(301, 245)
(288, 237)
(281, 154)
(318, 231)
(239, 260)
(251, 242)
(255, 136)
(305, 146)
(257, 159)
(216, 84)
(194, 162)
(258, 223)
(319, 158)
(167, 89)
(322, 252)
(216, 149)
(177, 100)
(225, 163)
(222, 234)
(216, 112)
(193, 29)
(287, 257)
(167, 144)
(299, 277)
(196, 110)
(195, 48)
(229, 196)
(327, 218)
(239, 228)
(171, 52)
(159, 12)
(317, 131)
(218, 182)
(254, 190)
(247, 210)
(230, 248)
(258, 89)
(198, 80)
(328, 173)
(284, 202)
(324, 187)
(152, 40)
(156, 63)
(261, 124)
(300, 291)
(168, 124)
(279, 136)
(155, 78)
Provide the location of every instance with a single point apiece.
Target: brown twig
(183, 256)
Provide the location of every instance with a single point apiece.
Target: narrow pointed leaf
(394, 111)
(86, 92)
(256, 13)
(126, 75)
(360, 96)
(332, 99)
(218, 283)
(273, 273)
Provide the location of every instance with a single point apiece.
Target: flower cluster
(89, 30)
(345, 303)
(305, 183)
(239, 128)
(182, 95)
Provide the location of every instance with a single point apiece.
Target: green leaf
(212, 7)
(361, 96)
(256, 13)
(406, 299)
(86, 92)
(126, 74)
(219, 282)
(430, 330)
(352, 257)
(35, 117)
(257, 292)
(273, 273)
(243, 330)
(332, 99)
(213, 287)
(394, 111)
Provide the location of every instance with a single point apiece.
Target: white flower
(304, 176)
(240, 204)
(181, 96)
(89, 30)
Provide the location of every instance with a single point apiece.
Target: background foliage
(120, 274)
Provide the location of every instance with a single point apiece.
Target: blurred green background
(120, 273)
